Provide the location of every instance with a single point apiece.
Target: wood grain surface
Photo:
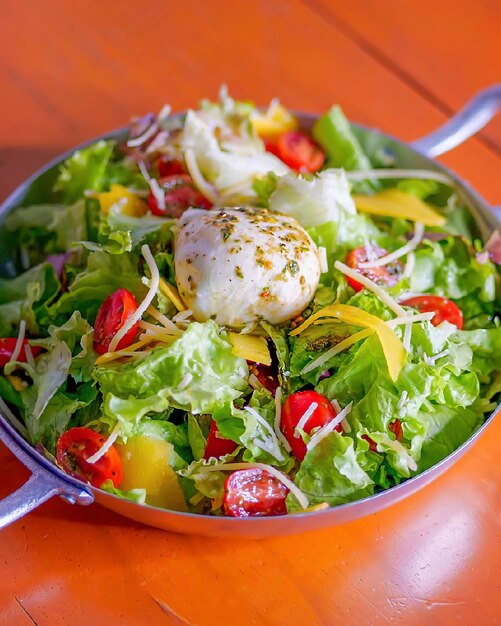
(71, 70)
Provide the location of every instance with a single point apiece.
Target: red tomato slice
(385, 276)
(73, 449)
(445, 310)
(293, 410)
(112, 315)
(7, 347)
(180, 194)
(298, 151)
(168, 167)
(217, 445)
(254, 492)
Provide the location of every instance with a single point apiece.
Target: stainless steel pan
(47, 480)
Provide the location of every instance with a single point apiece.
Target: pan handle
(40, 487)
(465, 123)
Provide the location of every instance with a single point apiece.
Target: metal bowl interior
(373, 141)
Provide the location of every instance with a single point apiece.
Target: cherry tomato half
(445, 310)
(386, 276)
(168, 167)
(298, 151)
(217, 445)
(7, 347)
(293, 410)
(254, 492)
(73, 449)
(180, 194)
(112, 315)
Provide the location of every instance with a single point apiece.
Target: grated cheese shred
(371, 286)
(328, 428)
(148, 134)
(106, 446)
(273, 448)
(340, 347)
(19, 343)
(304, 418)
(278, 415)
(410, 246)
(156, 190)
(138, 313)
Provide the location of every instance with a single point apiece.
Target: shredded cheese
(29, 355)
(19, 343)
(138, 313)
(402, 401)
(407, 338)
(322, 257)
(410, 319)
(194, 171)
(185, 381)
(344, 423)
(392, 347)
(409, 266)
(431, 360)
(272, 446)
(339, 347)
(156, 190)
(106, 446)
(164, 113)
(410, 246)
(285, 480)
(148, 134)
(165, 321)
(371, 286)
(278, 416)
(13, 419)
(328, 428)
(395, 445)
(304, 418)
(182, 316)
(160, 330)
(254, 382)
(395, 174)
(172, 293)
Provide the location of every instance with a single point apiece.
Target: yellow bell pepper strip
(392, 346)
(128, 201)
(396, 203)
(250, 347)
(273, 122)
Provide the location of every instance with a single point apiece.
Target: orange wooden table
(71, 70)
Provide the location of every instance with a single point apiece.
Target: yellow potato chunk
(145, 462)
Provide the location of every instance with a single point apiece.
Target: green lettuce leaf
(46, 229)
(134, 495)
(84, 169)
(26, 297)
(104, 274)
(314, 200)
(334, 133)
(198, 373)
(331, 473)
(260, 442)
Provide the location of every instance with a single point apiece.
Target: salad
(228, 314)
